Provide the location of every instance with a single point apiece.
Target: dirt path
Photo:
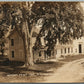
(70, 72)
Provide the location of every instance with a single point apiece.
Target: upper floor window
(12, 42)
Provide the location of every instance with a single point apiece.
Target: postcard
(41, 42)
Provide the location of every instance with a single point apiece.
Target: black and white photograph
(41, 42)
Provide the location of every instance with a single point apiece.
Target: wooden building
(16, 47)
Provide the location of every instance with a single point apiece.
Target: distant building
(74, 48)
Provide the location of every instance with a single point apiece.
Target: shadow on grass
(41, 67)
(16, 68)
(49, 62)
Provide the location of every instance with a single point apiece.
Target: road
(69, 72)
(70, 69)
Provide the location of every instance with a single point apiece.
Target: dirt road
(70, 69)
(69, 72)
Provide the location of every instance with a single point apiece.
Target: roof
(10, 32)
(14, 30)
(34, 35)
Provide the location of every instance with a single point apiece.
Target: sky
(82, 4)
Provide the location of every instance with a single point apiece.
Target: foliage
(3, 30)
(62, 21)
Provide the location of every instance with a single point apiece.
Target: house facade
(74, 48)
(16, 47)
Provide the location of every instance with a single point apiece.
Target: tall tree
(18, 16)
(60, 21)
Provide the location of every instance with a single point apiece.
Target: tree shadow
(16, 67)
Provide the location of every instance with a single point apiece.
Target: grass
(72, 58)
(13, 71)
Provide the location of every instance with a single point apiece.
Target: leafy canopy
(62, 21)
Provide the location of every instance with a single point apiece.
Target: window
(71, 50)
(65, 50)
(40, 54)
(12, 54)
(61, 51)
(56, 51)
(12, 42)
(53, 52)
(68, 50)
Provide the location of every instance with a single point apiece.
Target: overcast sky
(82, 4)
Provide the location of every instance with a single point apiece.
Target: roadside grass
(69, 58)
(11, 71)
(41, 67)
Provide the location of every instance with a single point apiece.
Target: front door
(80, 48)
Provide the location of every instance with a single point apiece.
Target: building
(74, 48)
(16, 47)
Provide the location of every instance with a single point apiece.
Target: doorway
(80, 48)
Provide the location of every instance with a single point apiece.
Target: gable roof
(14, 30)
(11, 32)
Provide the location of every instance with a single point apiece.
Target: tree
(59, 20)
(62, 21)
(3, 30)
(18, 17)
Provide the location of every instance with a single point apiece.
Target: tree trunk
(27, 40)
(30, 52)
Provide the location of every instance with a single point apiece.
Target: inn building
(74, 48)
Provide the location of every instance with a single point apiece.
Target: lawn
(14, 72)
